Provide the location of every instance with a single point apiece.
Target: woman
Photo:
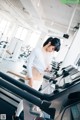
(39, 61)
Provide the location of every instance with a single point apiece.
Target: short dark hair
(54, 42)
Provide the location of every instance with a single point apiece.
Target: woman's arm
(29, 67)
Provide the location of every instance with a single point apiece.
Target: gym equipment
(25, 53)
(44, 105)
(59, 100)
(21, 76)
(36, 93)
(71, 112)
(3, 47)
(8, 104)
(23, 86)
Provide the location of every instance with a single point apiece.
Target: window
(34, 39)
(3, 25)
(21, 33)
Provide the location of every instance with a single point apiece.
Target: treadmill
(8, 104)
(58, 100)
(44, 105)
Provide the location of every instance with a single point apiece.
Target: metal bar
(44, 105)
(21, 85)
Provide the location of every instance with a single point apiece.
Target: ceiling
(43, 15)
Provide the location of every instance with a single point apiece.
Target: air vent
(66, 36)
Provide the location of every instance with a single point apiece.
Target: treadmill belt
(67, 115)
(71, 113)
(75, 112)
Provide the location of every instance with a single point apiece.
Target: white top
(38, 59)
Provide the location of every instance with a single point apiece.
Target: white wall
(41, 39)
(65, 44)
(73, 51)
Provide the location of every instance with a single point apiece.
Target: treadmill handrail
(48, 97)
(44, 105)
(21, 85)
(19, 92)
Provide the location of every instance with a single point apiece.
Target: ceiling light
(52, 23)
(66, 36)
(38, 3)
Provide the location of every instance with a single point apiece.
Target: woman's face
(50, 48)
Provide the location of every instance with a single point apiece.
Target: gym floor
(8, 65)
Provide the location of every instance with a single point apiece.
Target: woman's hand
(48, 69)
(30, 81)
